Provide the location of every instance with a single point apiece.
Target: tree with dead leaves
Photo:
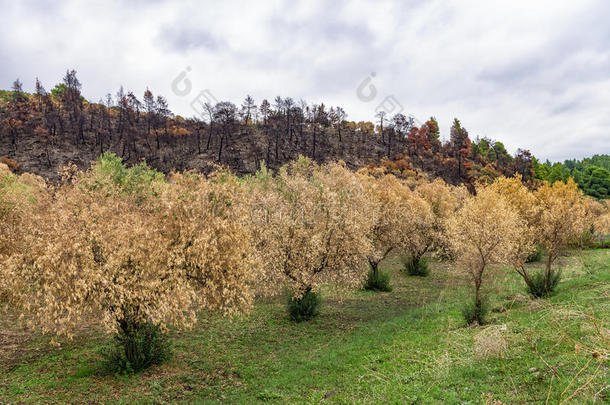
(20, 195)
(401, 219)
(483, 232)
(444, 200)
(310, 225)
(524, 204)
(123, 257)
(562, 217)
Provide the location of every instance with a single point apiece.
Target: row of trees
(49, 124)
(128, 247)
(591, 174)
(506, 223)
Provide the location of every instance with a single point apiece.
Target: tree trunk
(277, 144)
(477, 288)
(220, 148)
(313, 150)
(374, 268)
(198, 142)
(547, 271)
(207, 147)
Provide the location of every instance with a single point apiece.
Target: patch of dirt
(12, 345)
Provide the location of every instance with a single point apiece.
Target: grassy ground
(407, 346)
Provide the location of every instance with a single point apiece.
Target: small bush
(416, 267)
(304, 308)
(377, 281)
(136, 350)
(475, 312)
(535, 256)
(539, 286)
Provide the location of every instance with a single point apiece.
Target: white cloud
(531, 74)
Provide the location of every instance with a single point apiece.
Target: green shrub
(542, 284)
(304, 308)
(536, 255)
(377, 281)
(110, 166)
(138, 180)
(416, 267)
(136, 349)
(475, 312)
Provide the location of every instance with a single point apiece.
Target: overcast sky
(533, 74)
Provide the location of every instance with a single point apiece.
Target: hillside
(43, 131)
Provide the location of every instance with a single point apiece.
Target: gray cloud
(534, 75)
(186, 39)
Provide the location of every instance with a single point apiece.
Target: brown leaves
(161, 250)
(97, 252)
(561, 216)
(310, 226)
(484, 231)
(401, 218)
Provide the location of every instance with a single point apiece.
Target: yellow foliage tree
(483, 232)
(401, 219)
(310, 225)
(561, 217)
(444, 200)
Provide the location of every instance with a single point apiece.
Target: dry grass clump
(490, 342)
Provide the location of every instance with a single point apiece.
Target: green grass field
(406, 346)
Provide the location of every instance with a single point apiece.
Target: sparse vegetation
(377, 280)
(416, 267)
(305, 307)
(135, 349)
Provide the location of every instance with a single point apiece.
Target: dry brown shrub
(444, 201)
(561, 217)
(401, 218)
(19, 198)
